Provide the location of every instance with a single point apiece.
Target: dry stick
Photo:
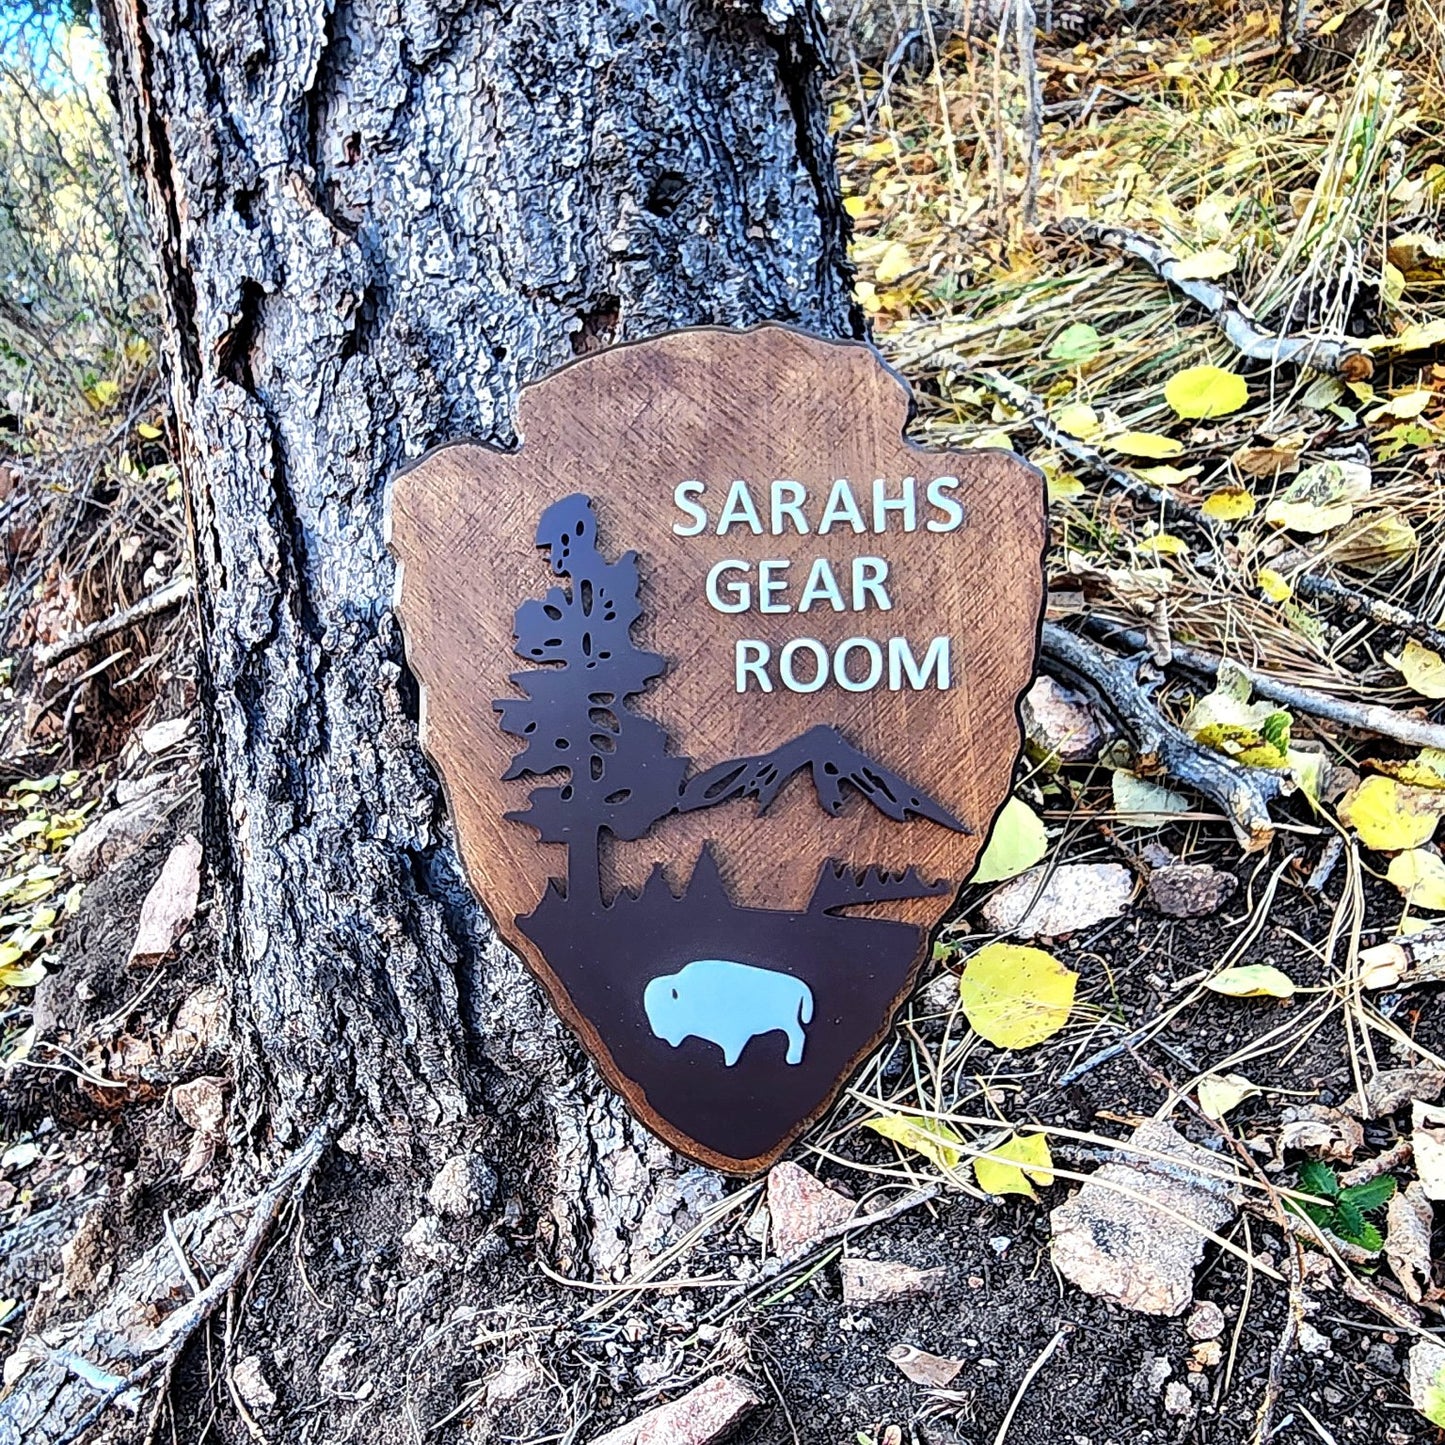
(1337, 355)
(1242, 793)
(1384, 722)
(291, 1179)
(1314, 588)
(171, 595)
(1274, 1383)
(1028, 1380)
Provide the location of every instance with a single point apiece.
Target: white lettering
(788, 499)
(869, 575)
(875, 664)
(901, 663)
(841, 508)
(820, 664)
(682, 495)
(740, 507)
(740, 594)
(821, 586)
(951, 507)
(906, 503)
(751, 659)
(769, 586)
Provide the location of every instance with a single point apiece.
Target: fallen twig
(291, 1179)
(1242, 793)
(1384, 722)
(1028, 1380)
(1284, 1343)
(171, 595)
(1337, 355)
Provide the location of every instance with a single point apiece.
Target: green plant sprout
(1344, 1215)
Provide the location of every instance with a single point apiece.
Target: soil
(370, 1314)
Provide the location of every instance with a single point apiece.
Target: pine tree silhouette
(575, 718)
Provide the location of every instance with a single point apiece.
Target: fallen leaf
(894, 262)
(1427, 1124)
(1392, 1089)
(1139, 797)
(1266, 461)
(1017, 842)
(1419, 874)
(1425, 770)
(1321, 497)
(1219, 1093)
(935, 1371)
(929, 1137)
(1077, 420)
(1205, 391)
(1008, 1167)
(1406, 406)
(1320, 1129)
(1252, 980)
(1145, 444)
(1049, 903)
(1164, 544)
(1273, 585)
(1079, 342)
(1392, 816)
(171, 903)
(1015, 996)
(1254, 733)
(1375, 542)
(1229, 504)
(878, 1281)
(1408, 1223)
(1206, 265)
(1422, 668)
(1426, 1373)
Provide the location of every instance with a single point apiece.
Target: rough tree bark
(371, 224)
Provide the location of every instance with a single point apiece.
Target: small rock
(1311, 1341)
(1177, 1398)
(119, 834)
(1190, 890)
(1207, 1354)
(252, 1387)
(1427, 1123)
(1150, 1377)
(82, 1253)
(935, 1371)
(1205, 1322)
(699, 1417)
(518, 1376)
(999, 1243)
(333, 1374)
(1059, 721)
(802, 1208)
(1050, 902)
(1116, 1247)
(171, 903)
(870, 1281)
(165, 735)
(1381, 1359)
(465, 1185)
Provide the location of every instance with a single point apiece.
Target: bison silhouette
(727, 1004)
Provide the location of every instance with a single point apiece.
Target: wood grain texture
(625, 426)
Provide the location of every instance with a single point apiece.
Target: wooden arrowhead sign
(721, 676)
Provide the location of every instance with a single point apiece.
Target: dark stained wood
(624, 427)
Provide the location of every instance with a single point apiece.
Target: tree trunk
(371, 224)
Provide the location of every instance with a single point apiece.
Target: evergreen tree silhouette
(621, 779)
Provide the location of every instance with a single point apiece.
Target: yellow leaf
(1077, 420)
(1064, 487)
(146, 432)
(1320, 497)
(856, 206)
(1423, 336)
(1017, 842)
(1422, 668)
(1273, 585)
(1375, 542)
(1205, 391)
(1219, 1093)
(1145, 444)
(1205, 265)
(1392, 284)
(17, 977)
(894, 263)
(1426, 770)
(104, 392)
(1229, 504)
(1420, 877)
(1164, 544)
(867, 295)
(1008, 1167)
(1015, 996)
(1167, 476)
(1252, 980)
(1392, 816)
(929, 1137)
(1409, 404)
(998, 439)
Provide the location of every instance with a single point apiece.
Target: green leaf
(1275, 730)
(1354, 1228)
(1078, 342)
(1372, 1194)
(1316, 1177)
(1017, 842)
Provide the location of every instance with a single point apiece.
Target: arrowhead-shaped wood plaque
(722, 677)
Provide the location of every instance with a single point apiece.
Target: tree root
(1384, 722)
(171, 595)
(177, 1329)
(1335, 355)
(1243, 794)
